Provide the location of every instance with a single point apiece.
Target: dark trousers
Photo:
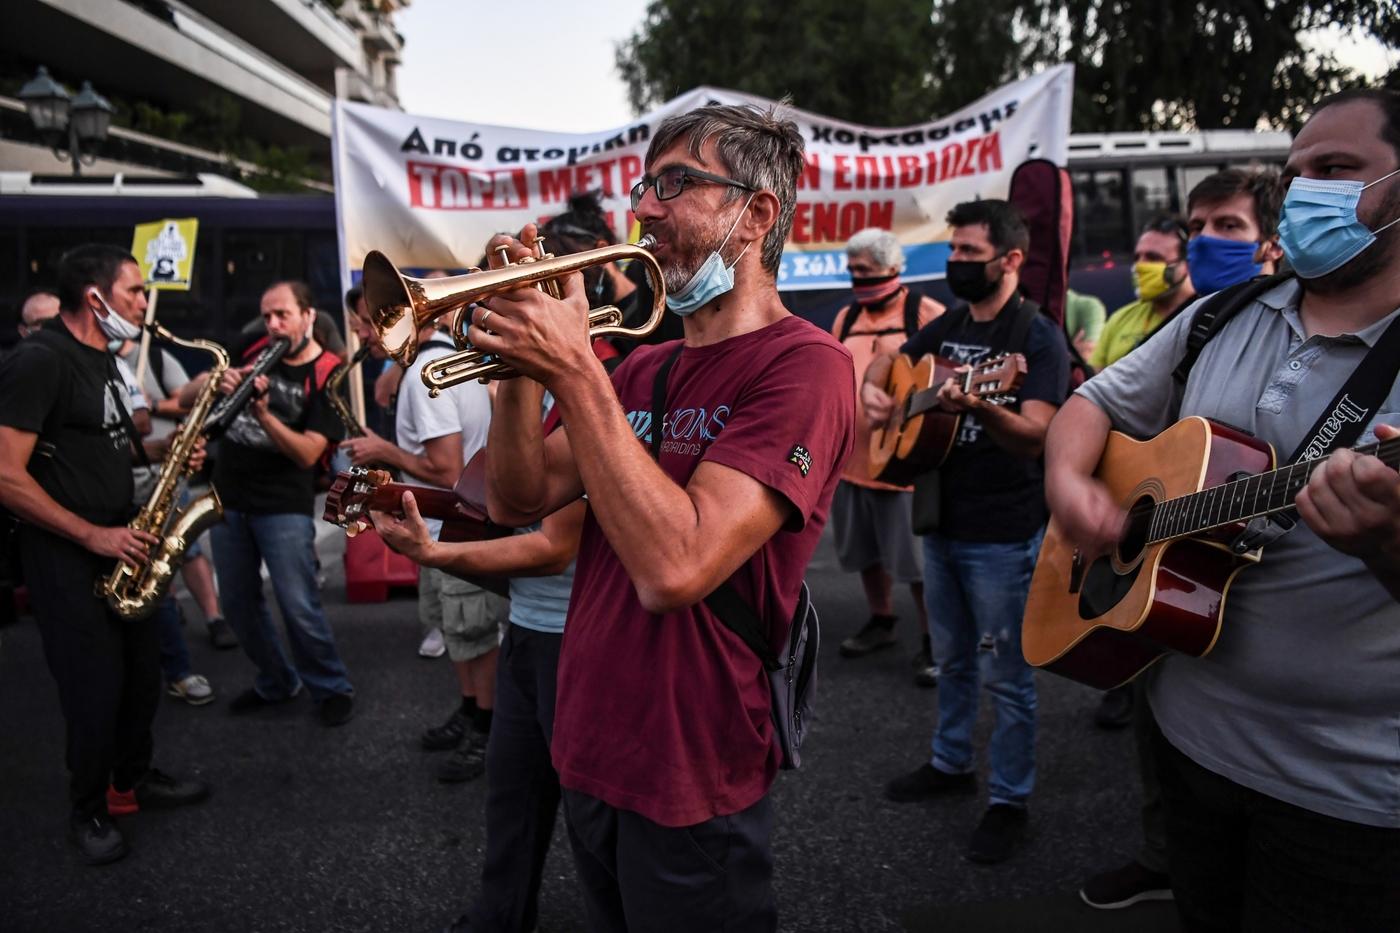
(1241, 860)
(522, 787)
(641, 877)
(107, 669)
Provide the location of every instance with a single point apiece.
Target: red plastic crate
(371, 569)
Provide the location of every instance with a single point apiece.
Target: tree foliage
(1139, 64)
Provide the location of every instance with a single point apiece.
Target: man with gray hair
(39, 305)
(872, 520)
(663, 735)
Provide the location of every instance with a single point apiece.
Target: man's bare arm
(1074, 444)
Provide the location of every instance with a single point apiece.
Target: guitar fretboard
(1244, 499)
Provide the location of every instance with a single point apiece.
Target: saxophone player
(66, 451)
(265, 474)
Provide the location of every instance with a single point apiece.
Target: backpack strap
(1026, 313)
(1217, 310)
(848, 323)
(156, 360)
(912, 301)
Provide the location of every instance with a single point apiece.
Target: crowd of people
(641, 480)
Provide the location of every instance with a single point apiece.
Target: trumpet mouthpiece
(647, 242)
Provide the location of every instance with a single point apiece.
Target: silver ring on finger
(482, 321)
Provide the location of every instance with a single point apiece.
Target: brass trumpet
(401, 305)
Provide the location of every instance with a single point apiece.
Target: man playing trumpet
(663, 740)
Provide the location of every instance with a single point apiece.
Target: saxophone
(353, 428)
(135, 593)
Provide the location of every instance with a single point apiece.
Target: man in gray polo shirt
(1279, 752)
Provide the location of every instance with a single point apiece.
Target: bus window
(1153, 194)
(1099, 213)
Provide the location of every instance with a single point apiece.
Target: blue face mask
(1319, 231)
(711, 280)
(1216, 263)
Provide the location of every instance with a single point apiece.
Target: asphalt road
(314, 829)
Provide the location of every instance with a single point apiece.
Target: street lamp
(53, 112)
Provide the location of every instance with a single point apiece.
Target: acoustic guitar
(919, 435)
(1188, 493)
(462, 509)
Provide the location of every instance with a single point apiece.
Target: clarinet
(221, 418)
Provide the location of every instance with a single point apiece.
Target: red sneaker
(121, 803)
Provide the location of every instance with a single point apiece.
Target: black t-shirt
(250, 473)
(70, 395)
(989, 494)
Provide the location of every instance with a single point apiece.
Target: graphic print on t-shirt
(287, 402)
(683, 432)
(966, 354)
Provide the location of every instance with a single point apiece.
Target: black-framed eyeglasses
(673, 181)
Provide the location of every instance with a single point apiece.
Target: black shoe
(928, 782)
(1126, 886)
(448, 735)
(1115, 708)
(336, 709)
(251, 701)
(221, 635)
(998, 835)
(465, 764)
(876, 634)
(925, 670)
(462, 924)
(157, 790)
(97, 838)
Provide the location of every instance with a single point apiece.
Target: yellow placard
(165, 250)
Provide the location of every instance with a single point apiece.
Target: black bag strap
(1339, 425)
(912, 301)
(1217, 310)
(133, 435)
(725, 602)
(1021, 327)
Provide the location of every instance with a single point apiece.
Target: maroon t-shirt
(668, 715)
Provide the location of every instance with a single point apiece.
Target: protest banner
(429, 193)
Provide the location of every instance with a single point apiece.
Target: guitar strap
(1339, 425)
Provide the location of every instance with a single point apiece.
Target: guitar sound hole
(1104, 587)
(1135, 535)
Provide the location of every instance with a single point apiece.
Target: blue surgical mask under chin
(1216, 262)
(1319, 230)
(711, 280)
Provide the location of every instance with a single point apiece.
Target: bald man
(41, 305)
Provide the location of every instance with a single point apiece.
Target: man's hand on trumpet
(539, 336)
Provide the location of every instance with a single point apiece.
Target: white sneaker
(432, 645)
(194, 690)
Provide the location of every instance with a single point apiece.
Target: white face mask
(712, 279)
(114, 325)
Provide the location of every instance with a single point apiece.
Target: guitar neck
(1244, 499)
(432, 503)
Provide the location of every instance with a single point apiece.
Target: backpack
(1044, 194)
(792, 677)
(912, 300)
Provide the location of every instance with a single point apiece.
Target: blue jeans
(174, 653)
(976, 595)
(287, 543)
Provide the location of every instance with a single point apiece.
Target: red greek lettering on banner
(452, 188)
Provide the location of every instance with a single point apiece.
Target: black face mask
(967, 279)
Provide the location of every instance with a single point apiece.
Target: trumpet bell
(400, 306)
(390, 296)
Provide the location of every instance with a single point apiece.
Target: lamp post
(53, 112)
